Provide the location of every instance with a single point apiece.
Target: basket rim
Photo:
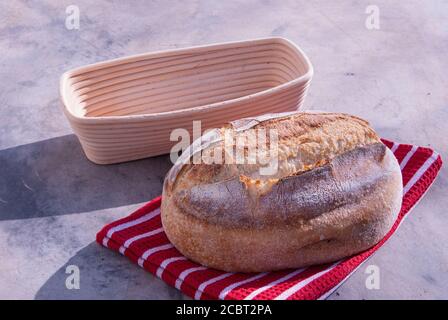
(64, 84)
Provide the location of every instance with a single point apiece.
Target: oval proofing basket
(125, 109)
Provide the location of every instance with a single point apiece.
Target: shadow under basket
(125, 109)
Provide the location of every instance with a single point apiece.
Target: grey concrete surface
(53, 200)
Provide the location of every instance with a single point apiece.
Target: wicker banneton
(125, 109)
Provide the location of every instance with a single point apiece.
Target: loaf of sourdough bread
(336, 191)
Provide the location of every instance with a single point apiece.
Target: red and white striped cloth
(141, 238)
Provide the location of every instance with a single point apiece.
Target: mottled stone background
(53, 200)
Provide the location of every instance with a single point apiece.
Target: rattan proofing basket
(125, 109)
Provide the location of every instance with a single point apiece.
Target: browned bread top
(325, 161)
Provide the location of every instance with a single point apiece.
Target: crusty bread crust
(344, 202)
(306, 140)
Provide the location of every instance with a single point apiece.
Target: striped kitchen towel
(140, 237)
